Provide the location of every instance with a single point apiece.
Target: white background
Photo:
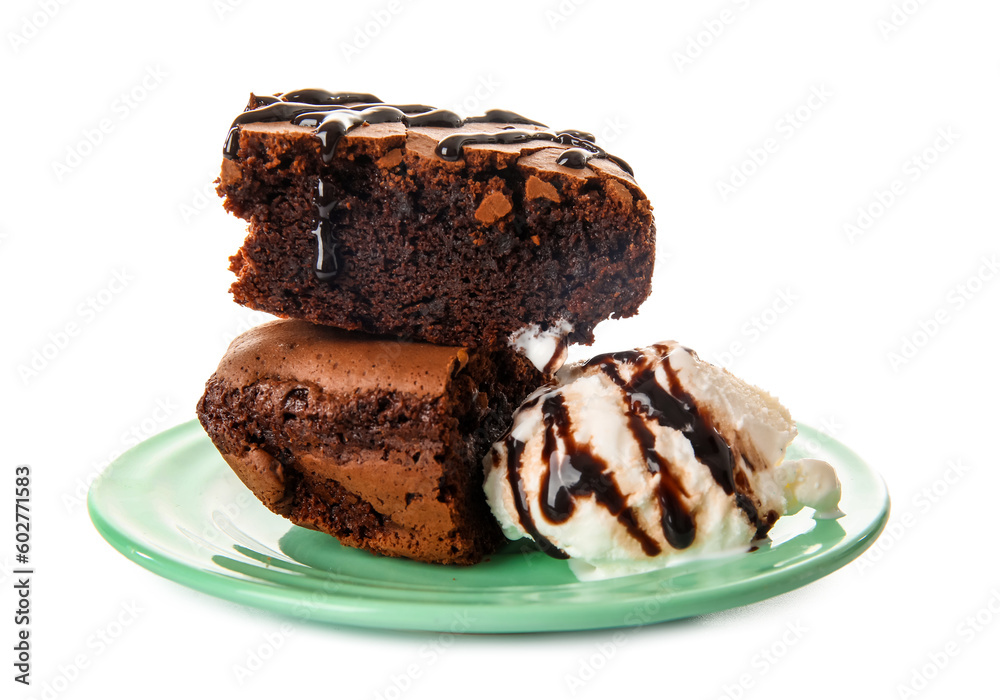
(138, 203)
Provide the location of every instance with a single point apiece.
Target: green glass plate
(173, 506)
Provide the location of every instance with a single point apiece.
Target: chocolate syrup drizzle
(558, 356)
(327, 263)
(515, 448)
(574, 470)
(333, 114)
(577, 157)
(677, 409)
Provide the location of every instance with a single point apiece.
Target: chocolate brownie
(415, 222)
(376, 441)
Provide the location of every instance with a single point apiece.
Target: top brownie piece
(394, 228)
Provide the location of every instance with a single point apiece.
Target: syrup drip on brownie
(582, 151)
(327, 264)
(332, 114)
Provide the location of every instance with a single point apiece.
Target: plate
(173, 506)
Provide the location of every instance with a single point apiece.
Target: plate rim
(440, 617)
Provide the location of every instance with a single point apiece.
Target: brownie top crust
(339, 361)
(395, 141)
(415, 222)
(423, 136)
(331, 116)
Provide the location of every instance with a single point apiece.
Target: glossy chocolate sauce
(558, 356)
(676, 522)
(515, 448)
(677, 409)
(574, 471)
(332, 114)
(580, 153)
(327, 263)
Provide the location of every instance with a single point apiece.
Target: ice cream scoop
(633, 460)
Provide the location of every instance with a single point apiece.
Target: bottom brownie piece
(376, 441)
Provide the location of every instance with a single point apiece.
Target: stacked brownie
(410, 246)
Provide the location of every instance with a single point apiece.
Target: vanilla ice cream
(546, 349)
(634, 460)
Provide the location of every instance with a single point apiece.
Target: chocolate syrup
(332, 114)
(714, 451)
(678, 410)
(558, 356)
(574, 158)
(502, 116)
(575, 471)
(674, 409)
(676, 522)
(327, 264)
(515, 448)
(581, 153)
(313, 96)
